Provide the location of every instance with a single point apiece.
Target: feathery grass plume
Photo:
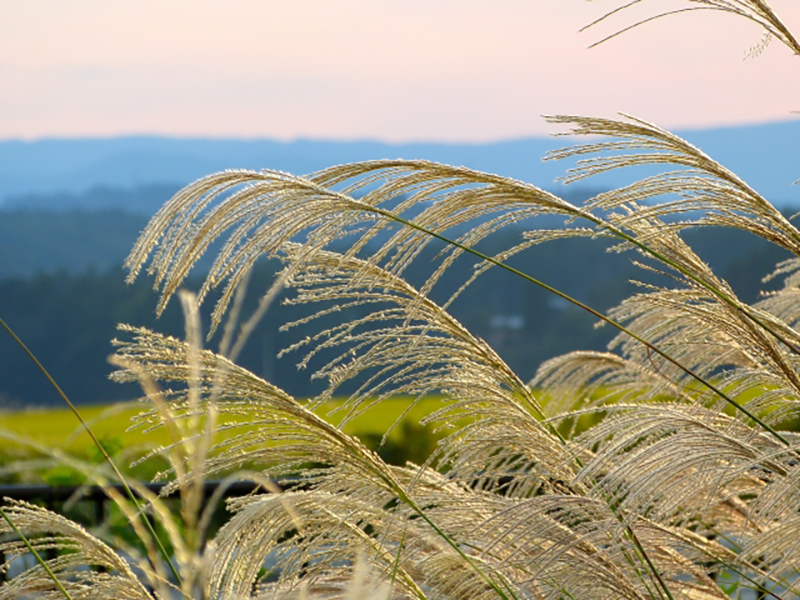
(76, 548)
(265, 209)
(629, 508)
(411, 346)
(287, 436)
(699, 330)
(703, 185)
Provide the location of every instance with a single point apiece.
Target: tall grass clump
(660, 469)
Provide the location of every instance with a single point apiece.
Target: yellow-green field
(59, 428)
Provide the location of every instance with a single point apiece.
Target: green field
(22, 431)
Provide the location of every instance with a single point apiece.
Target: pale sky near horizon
(417, 70)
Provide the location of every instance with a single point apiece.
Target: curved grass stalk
(100, 447)
(637, 24)
(755, 11)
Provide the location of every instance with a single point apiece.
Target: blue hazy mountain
(764, 155)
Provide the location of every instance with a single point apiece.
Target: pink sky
(438, 70)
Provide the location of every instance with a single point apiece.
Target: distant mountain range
(766, 156)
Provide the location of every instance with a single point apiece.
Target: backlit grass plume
(665, 467)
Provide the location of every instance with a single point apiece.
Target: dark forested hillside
(74, 232)
(67, 311)
(141, 200)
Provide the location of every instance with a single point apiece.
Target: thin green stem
(36, 555)
(640, 549)
(668, 261)
(409, 501)
(396, 567)
(99, 446)
(588, 309)
(413, 505)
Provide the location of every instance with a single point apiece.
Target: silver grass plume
(699, 330)
(76, 548)
(616, 511)
(264, 210)
(630, 466)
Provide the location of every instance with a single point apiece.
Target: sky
(416, 70)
